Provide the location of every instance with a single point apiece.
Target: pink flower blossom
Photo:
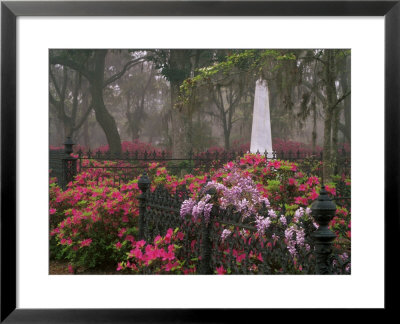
(129, 238)
(180, 236)
(140, 243)
(220, 270)
(86, 242)
(121, 232)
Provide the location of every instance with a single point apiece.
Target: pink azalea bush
(162, 256)
(87, 218)
(93, 223)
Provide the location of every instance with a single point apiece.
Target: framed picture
(32, 30)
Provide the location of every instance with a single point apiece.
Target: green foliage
(250, 61)
(177, 167)
(273, 185)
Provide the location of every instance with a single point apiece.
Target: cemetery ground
(249, 215)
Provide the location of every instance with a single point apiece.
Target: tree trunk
(227, 135)
(86, 137)
(327, 136)
(314, 131)
(335, 134)
(331, 102)
(345, 80)
(106, 121)
(180, 147)
(179, 62)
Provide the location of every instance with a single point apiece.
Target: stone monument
(261, 139)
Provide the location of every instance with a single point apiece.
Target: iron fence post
(190, 161)
(144, 185)
(69, 165)
(205, 264)
(323, 210)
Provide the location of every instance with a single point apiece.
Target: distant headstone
(261, 139)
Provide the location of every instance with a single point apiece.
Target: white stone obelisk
(261, 139)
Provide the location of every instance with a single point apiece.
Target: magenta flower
(241, 257)
(86, 242)
(140, 243)
(129, 238)
(180, 236)
(169, 266)
(157, 239)
(137, 253)
(220, 270)
(121, 232)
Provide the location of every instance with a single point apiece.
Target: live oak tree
(91, 65)
(66, 95)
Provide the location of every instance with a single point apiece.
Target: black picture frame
(10, 10)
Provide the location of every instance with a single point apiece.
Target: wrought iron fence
(62, 166)
(127, 166)
(243, 251)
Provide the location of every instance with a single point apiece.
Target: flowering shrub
(91, 217)
(239, 194)
(87, 218)
(282, 248)
(94, 221)
(273, 196)
(160, 257)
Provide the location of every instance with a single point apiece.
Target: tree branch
(52, 77)
(127, 66)
(64, 86)
(75, 94)
(236, 120)
(341, 99)
(56, 105)
(213, 114)
(84, 117)
(317, 94)
(73, 65)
